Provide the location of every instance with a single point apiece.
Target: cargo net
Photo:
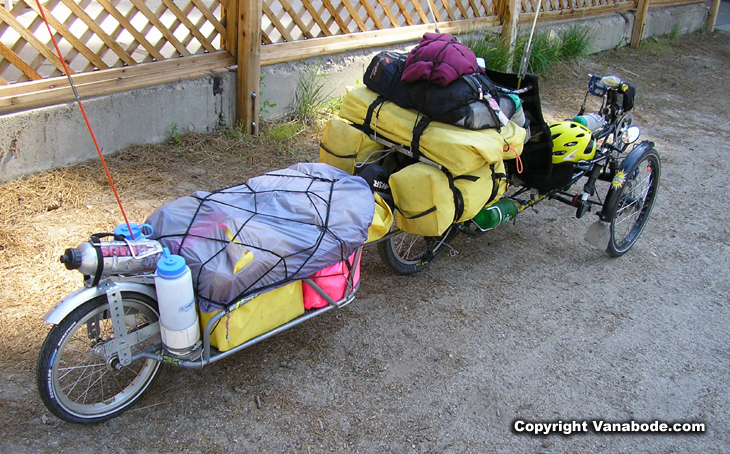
(276, 228)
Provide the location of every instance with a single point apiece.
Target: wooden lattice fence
(103, 34)
(552, 9)
(283, 22)
(115, 45)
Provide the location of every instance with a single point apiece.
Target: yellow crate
(258, 315)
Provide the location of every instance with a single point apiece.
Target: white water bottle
(590, 121)
(179, 325)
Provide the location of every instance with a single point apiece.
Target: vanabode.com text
(570, 427)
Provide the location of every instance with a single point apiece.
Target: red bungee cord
(86, 118)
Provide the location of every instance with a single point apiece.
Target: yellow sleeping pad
(458, 149)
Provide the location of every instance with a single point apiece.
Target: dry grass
(42, 215)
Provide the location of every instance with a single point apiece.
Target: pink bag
(440, 59)
(333, 280)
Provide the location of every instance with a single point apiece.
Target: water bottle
(118, 257)
(179, 326)
(611, 81)
(590, 121)
(519, 116)
(504, 210)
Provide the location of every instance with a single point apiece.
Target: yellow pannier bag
(428, 199)
(343, 144)
(255, 316)
(423, 199)
(483, 186)
(458, 149)
(382, 220)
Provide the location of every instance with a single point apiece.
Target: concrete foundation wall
(41, 139)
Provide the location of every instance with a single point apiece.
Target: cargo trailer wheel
(78, 381)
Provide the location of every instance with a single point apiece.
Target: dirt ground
(525, 323)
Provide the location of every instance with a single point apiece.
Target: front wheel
(634, 192)
(77, 380)
(407, 253)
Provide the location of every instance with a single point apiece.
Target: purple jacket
(440, 59)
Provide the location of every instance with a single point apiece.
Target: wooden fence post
(639, 21)
(248, 56)
(229, 13)
(714, 10)
(510, 16)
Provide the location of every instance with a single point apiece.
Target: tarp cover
(280, 226)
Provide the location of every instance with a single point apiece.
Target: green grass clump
(545, 52)
(310, 99)
(575, 42)
(495, 51)
(282, 132)
(548, 49)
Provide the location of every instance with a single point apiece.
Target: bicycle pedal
(583, 208)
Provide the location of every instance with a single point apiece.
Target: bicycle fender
(80, 296)
(631, 160)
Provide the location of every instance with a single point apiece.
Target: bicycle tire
(634, 191)
(76, 382)
(407, 253)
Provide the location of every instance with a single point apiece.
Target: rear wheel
(78, 381)
(407, 253)
(636, 187)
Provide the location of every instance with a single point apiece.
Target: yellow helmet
(572, 142)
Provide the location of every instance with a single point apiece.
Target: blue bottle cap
(140, 231)
(170, 265)
(123, 230)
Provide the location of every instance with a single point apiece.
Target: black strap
(496, 177)
(96, 242)
(487, 83)
(347, 156)
(369, 117)
(416, 139)
(429, 211)
(474, 85)
(459, 204)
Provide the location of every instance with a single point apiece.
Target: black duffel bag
(464, 102)
(383, 77)
(471, 101)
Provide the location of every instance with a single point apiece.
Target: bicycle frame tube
(210, 355)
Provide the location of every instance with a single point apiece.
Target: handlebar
(598, 85)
